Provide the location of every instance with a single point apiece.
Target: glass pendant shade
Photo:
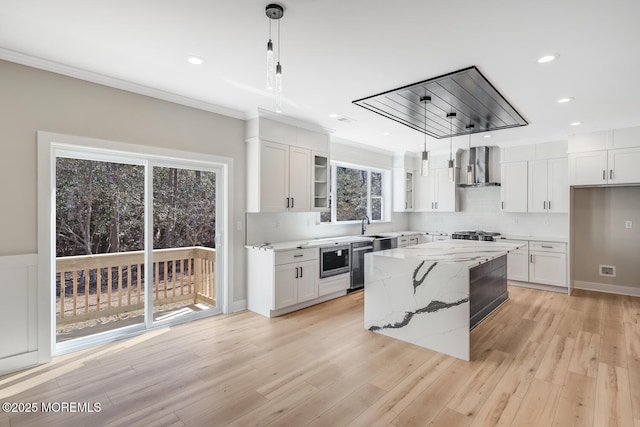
(469, 174)
(451, 171)
(425, 163)
(278, 88)
(270, 68)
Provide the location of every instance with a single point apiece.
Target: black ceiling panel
(465, 92)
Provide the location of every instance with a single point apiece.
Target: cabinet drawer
(296, 255)
(548, 247)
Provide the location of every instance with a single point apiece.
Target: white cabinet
(408, 240)
(548, 186)
(281, 179)
(278, 280)
(321, 179)
(623, 166)
(295, 283)
(403, 190)
(513, 190)
(618, 166)
(518, 262)
(548, 263)
(436, 193)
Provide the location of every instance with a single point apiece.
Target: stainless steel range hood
(479, 161)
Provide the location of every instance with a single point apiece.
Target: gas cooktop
(485, 236)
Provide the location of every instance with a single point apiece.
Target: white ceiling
(336, 51)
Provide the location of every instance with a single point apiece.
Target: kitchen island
(433, 294)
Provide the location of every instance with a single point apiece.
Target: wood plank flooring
(543, 359)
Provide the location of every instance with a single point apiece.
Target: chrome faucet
(368, 222)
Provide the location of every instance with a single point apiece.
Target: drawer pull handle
(547, 247)
(298, 255)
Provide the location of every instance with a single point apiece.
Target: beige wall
(600, 236)
(33, 100)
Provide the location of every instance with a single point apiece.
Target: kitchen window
(357, 191)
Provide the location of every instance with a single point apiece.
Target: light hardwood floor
(543, 359)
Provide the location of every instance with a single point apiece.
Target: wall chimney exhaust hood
(479, 160)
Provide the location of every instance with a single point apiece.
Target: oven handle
(364, 248)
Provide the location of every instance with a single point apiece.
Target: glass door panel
(184, 248)
(99, 246)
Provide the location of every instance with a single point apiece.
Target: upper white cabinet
(513, 189)
(435, 192)
(603, 158)
(404, 183)
(287, 168)
(321, 176)
(548, 186)
(618, 166)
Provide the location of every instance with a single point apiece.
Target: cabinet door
(538, 186)
(299, 179)
(588, 168)
(558, 185)
(424, 195)
(518, 264)
(307, 281)
(626, 137)
(274, 177)
(623, 166)
(513, 190)
(286, 285)
(399, 190)
(445, 191)
(548, 268)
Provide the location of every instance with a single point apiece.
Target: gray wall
(33, 100)
(600, 236)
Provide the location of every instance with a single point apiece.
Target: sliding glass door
(135, 243)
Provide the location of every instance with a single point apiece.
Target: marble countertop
(328, 241)
(469, 252)
(535, 238)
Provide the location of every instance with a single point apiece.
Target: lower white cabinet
(518, 262)
(295, 283)
(548, 263)
(281, 281)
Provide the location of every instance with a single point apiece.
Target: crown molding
(93, 77)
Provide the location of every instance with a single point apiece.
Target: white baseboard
(17, 363)
(559, 289)
(611, 289)
(238, 305)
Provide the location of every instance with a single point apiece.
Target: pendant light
(450, 116)
(470, 127)
(274, 11)
(425, 153)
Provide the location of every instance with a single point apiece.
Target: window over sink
(357, 191)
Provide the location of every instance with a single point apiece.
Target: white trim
(610, 289)
(49, 144)
(238, 305)
(539, 286)
(19, 362)
(90, 76)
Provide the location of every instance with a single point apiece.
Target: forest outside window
(357, 192)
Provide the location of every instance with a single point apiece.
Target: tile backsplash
(480, 210)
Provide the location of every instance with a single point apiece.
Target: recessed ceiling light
(334, 115)
(386, 133)
(575, 124)
(565, 100)
(487, 136)
(547, 58)
(196, 60)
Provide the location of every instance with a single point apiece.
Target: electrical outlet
(628, 224)
(239, 226)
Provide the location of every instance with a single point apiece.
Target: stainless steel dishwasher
(358, 249)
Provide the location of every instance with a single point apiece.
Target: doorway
(137, 243)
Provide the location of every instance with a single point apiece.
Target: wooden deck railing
(92, 286)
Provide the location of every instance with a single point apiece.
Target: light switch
(628, 224)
